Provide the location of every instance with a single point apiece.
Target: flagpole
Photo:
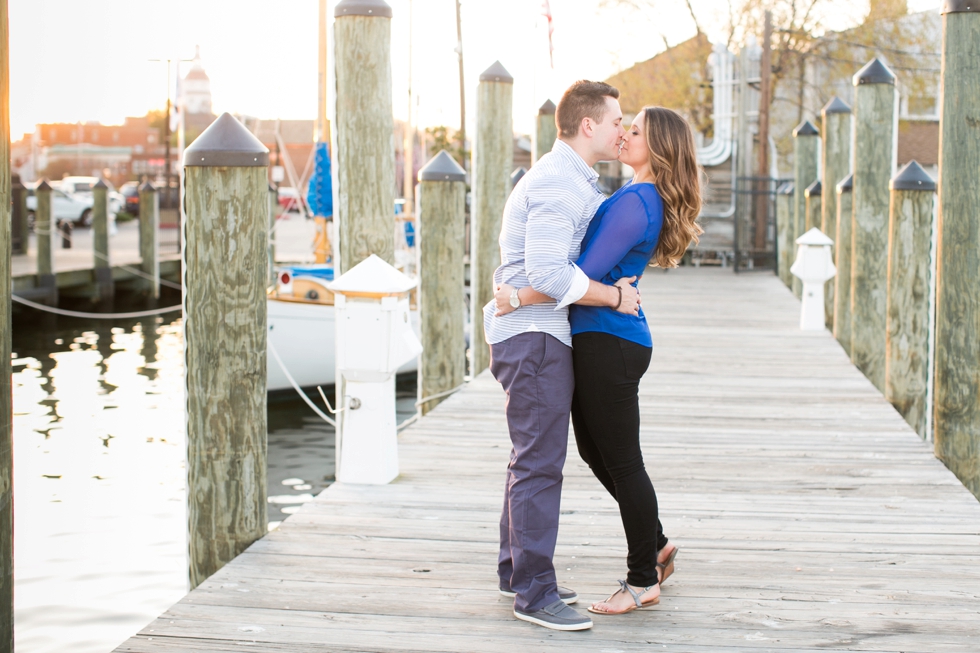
(462, 88)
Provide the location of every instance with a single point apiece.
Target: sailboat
(301, 319)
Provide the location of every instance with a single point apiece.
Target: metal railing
(755, 223)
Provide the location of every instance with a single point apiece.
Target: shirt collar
(565, 151)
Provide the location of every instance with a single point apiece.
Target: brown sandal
(666, 569)
(637, 603)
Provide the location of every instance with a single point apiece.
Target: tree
(440, 138)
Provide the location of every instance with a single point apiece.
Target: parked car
(83, 186)
(76, 209)
(131, 193)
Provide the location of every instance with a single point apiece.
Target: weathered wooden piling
(546, 132)
(365, 211)
(814, 218)
(956, 424)
(227, 235)
(273, 213)
(6, 404)
(493, 156)
(806, 149)
(835, 164)
(18, 218)
(442, 303)
(150, 238)
(814, 206)
(44, 230)
(785, 248)
(876, 124)
(844, 246)
(104, 290)
(909, 283)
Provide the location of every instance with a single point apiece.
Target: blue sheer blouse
(619, 243)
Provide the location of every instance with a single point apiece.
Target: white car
(82, 186)
(76, 209)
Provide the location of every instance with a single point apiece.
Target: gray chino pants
(535, 370)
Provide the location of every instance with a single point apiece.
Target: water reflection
(99, 476)
(98, 480)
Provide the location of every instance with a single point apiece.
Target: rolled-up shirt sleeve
(552, 215)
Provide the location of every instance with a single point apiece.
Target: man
(544, 222)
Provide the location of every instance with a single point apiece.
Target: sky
(90, 60)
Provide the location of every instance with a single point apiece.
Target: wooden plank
(809, 516)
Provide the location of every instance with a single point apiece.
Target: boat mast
(322, 124)
(462, 89)
(408, 192)
(322, 246)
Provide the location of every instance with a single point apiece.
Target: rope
(441, 394)
(292, 382)
(408, 422)
(140, 273)
(96, 316)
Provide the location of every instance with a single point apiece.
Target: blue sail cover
(320, 193)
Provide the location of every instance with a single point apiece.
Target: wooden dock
(809, 516)
(74, 267)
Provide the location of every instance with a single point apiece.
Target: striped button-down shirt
(544, 222)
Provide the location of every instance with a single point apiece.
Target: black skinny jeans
(606, 418)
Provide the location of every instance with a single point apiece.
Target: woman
(652, 217)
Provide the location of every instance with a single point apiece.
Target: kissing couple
(568, 338)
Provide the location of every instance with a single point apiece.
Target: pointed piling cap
(836, 105)
(147, 187)
(100, 185)
(959, 6)
(496, 73)
(814, 237)
(517, 175)
(372, 276)
(786, 188)
(814, 190)
(845, 185)
(874, 72)
(547, 109)
(912, 177)
(378, 8)
(806, 128)
(43, 185)
(226, 144)
(442, 167)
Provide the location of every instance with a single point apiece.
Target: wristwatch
(515, 300)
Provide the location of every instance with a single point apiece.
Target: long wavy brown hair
(674, 163)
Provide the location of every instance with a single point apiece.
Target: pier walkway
(809, 516)
(73, 268)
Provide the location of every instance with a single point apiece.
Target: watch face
(515, 301)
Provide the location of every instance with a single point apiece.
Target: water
(99, 477)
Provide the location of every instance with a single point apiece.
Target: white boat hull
(303, 335)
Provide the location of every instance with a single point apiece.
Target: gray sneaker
(565, 594)
(556, 616)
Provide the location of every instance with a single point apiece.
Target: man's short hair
(583, 99)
